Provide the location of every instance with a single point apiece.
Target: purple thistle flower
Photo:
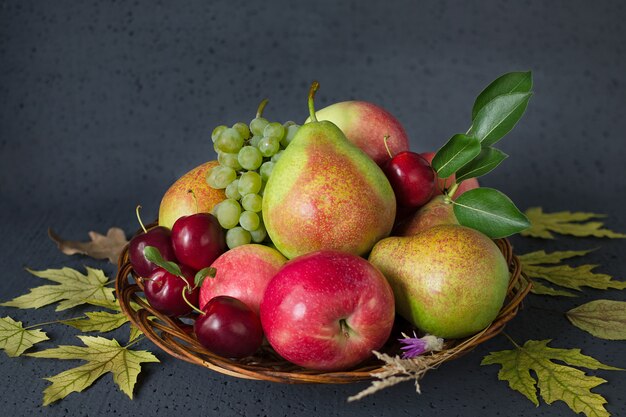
(415, 346)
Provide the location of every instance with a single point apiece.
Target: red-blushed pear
(243, 273)
(466, 185)
(435, 213)
(365, 124)
(449, 280)
(178, 201)
(326, 194)
(327, 310)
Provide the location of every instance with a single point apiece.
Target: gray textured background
(104, 104)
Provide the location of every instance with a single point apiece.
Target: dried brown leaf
(100, 247)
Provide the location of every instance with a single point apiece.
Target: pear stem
(195, 199)
(387, 146)
(314, 87)
(139, 218)
(452, 190)
(262, 104)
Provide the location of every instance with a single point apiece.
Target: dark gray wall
(104, 104)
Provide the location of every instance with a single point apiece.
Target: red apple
(243, 273)
(366, 124)
(327, 310)
(464, 186)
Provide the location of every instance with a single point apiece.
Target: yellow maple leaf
(15, 339)
(73, 289)
(556, 382)
(566, 223)
(102, 356)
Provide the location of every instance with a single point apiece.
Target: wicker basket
(176, 338)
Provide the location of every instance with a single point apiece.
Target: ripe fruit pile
(314, 200)
(246, 156)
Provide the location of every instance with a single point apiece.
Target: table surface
(104, 104)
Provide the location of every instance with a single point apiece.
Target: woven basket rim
(169, 334)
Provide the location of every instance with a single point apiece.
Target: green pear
(436, 212)
(449, 280)
(326, 193)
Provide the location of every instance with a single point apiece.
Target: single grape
(255, 141)
(257, 125)
(232, 190)
(269, 146)
(249, 183)
(243, 130)
(266, 170)
(277, 155)
(259, 234)
(251, 202)
(237, 236)
(229, 141)
(274, 130)
(228, 213)
(288, 123)
(250, 158)
(217, 131)
(291, 132)
(228, 160)
(249, 220)
(220, 176)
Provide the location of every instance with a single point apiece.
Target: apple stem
(387, 145)
(345, 329)
(139, 218)
(262, 104)
(195, 199)
(187, 301)
(314, 87)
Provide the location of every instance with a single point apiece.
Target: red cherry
(164, 291)
(160, 238)
(229, 328)
(412, 179)
(198, 240)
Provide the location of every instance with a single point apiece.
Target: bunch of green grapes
(246, 156)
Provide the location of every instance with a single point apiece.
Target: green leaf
(485, 162)
(541, 257)
(566, 223)
(74, 289)
(556, 382)
(457, 152)
(490, 212)
(102, 356)
(512, 82)
(203, 273)
(15, 339)
(153, 255)
(498, 117)
(605, 319)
